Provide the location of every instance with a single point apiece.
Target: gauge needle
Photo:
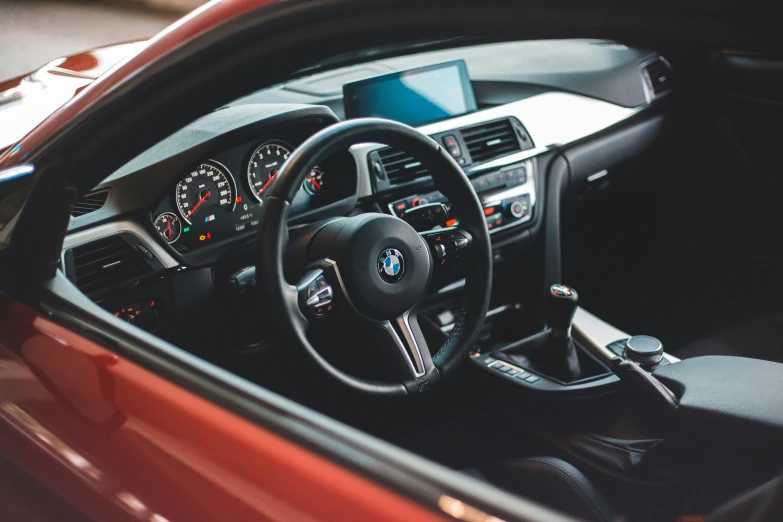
(200, 201)
(168, 229)
(317, 185)
(268, 182)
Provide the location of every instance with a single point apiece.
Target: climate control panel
(508, 196)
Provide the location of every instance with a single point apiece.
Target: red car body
(86, 433)
(77, 422)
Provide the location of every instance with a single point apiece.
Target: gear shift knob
(562, 303)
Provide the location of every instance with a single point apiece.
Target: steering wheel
(376, 265)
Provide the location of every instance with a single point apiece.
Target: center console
(508, 196)
(577, 354)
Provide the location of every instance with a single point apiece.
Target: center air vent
(490, 140)
(90, 203)
(658, 75)
(400, 166)
(105, 264)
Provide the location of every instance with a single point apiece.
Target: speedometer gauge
(264, 165)
(204, 189)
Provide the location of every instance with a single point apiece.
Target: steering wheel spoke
(447, 244)
(412, 349)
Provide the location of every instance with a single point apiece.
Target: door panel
(119, 443)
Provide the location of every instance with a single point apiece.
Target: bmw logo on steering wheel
(391, 265)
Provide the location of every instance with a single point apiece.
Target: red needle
(317, 185)
(268, 182)
(200, 201)
(168, 231)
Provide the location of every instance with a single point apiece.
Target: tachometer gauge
(265, 162)
(169, 226)
(314, 182)
(204, 189)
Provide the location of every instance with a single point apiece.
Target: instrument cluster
(221, 197)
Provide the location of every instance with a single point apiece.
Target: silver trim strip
(111, 229)
(551, 119)
(597, 175)
(599, 334)
(416, 365)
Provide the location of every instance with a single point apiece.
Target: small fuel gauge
(169, 226)
(314, 182)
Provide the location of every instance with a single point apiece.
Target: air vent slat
(472, 131)
(490, 140)
(90, 203)
(106, 263)
(659, 75)
(400, 167)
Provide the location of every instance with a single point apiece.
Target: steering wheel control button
(644, 350)
(426, 217)
(391, 265)
(446, 243)
(243, 280)
(319, 296)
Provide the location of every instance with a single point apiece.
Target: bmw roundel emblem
(391, 265)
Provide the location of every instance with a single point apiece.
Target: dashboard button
(452, 145)
(532, 378)
(145, 252)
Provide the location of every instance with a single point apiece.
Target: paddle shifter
(559, 352)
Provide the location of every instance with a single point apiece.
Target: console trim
(552, 119)
(112, 229)
(598, 334)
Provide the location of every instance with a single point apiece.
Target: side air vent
(90, 203)
(658, 75)
(400, 166)
(105, 264)
(490, 140)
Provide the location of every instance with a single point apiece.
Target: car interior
(527, 261)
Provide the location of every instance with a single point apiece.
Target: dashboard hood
(28, 100)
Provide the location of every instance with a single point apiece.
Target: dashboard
(189, 207)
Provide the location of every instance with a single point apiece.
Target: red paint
(198, 22)
(120, 443)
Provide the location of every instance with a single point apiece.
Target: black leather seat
(560, 486)
(551, 482)
(760, 338)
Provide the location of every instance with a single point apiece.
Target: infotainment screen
(414, 97)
